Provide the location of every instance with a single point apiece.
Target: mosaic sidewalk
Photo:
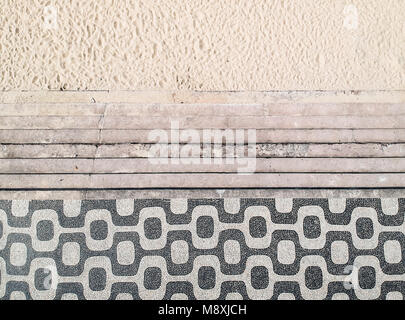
(245, 248)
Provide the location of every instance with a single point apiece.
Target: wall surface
(202, 45)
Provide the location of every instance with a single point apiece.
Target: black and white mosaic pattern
(203, 249)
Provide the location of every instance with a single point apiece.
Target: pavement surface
(210, 248)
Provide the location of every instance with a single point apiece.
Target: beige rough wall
(202, 44)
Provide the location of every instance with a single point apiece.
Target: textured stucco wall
(202, 44)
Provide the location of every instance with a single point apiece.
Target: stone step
(209, 165)
(198, 180)
(94, 136)
(201, 109)
(141, 150)
(203, 122)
